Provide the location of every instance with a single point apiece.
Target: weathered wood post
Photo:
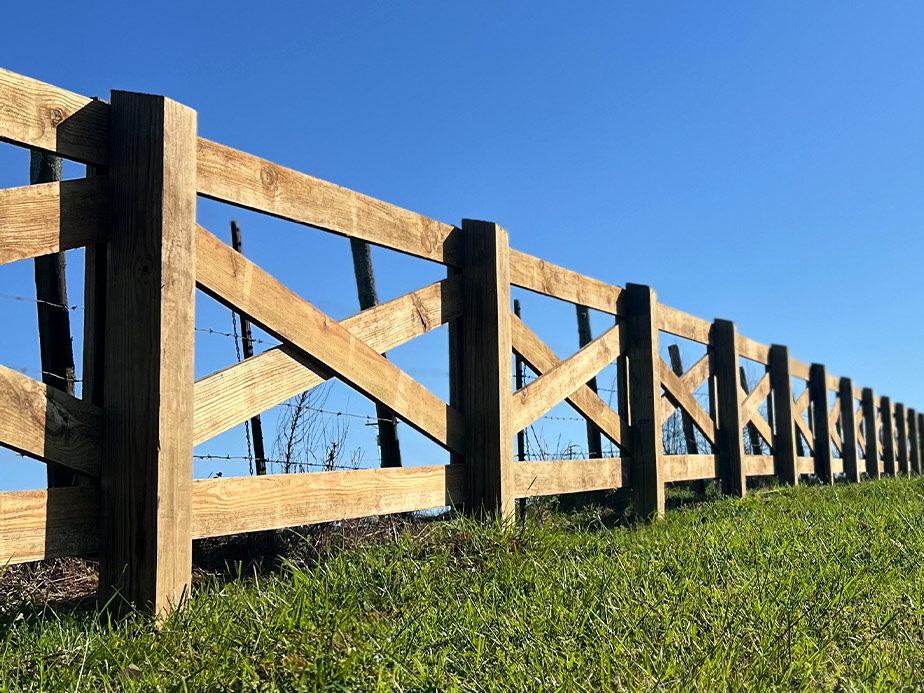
(818, 393)
(888, 436)
(145, 522)
(486, 369)
(644, 385)
(849, 435)
(872, 433)
(730, 446)
(585, 337)
(901, 436)
(921, 441)
(914, 442)
(784, 440)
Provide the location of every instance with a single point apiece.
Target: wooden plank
(487, 370)
(901, 439)
(145, 539)
(799, 369)
(833, 417)
(684, 325)
(695, 376)
(48, 424)
(528, 272)
(730, 444)
(50, 217)
(684, 399)
(914, 443)
(759, 465)
(871, 423)
(849, 428)
(689, 467)
(234, 394)
(39, 115)
(806, 433)
(541, 359)
(550, 477)
(251, 504)
(784, 442)
(641, 327)
(805, 465)
(49, 523)
(755, 351)
(250, 182)
(241, 285)
(564, 379)
(758, 422)
(818, 392)
(833, 383)
(802, 402)
(750, 406)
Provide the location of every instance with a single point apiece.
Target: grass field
(807, 589)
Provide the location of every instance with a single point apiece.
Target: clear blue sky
(759, 162)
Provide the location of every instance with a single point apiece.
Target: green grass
(807, 589)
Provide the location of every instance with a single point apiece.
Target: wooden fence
(135, 212)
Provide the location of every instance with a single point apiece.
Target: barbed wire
(219, 333)
(27, 299)
(25, 370)
(289, 463)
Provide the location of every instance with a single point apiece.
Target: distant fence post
(818, 393)
(644, 387)
(486, 369)
(871, 431)
(888, 436)
(784, 440)
(901, 435)
(145, 520)
(921, 441)
(849, 426)
(914, 443)
(728, 383)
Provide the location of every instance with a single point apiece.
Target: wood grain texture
(684, 399)
(690, 467)
(145, 517)
(755, 351)
(887, 421)
(641, 326)
(759, 465)
(799, 369)
(550, 477)
(234, 394)
(805, 465)
(251, 504)
(684, 325)
(49, 523)
(48, 424)
(564, 378)
(528, 272)
(750, 406)
(250, 182)
(243, 286)
(849, 452)
(871, 423)
(692, 380)
(730, 446)
(818, 392)
(784, 442)
(49, 217)
(39, 115)
(541, 359)
(487, 370)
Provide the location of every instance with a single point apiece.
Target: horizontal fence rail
(140, 510)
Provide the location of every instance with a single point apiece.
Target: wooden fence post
(730, 446)
(818, 392)
(901, 431)
(921, 441)
(849, 432)
(641, 325)
(914, 442)
(145, 519)
(871, 431)
(888, 436)
(784, 441)
(486, 369)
